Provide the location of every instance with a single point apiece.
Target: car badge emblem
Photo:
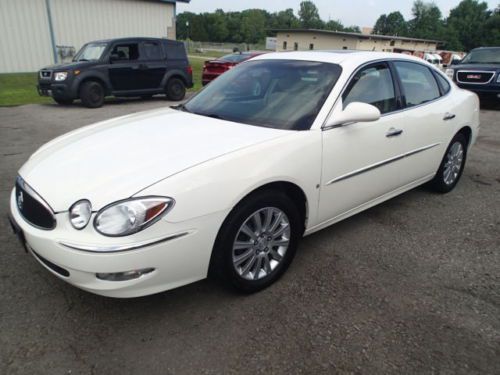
(474, 76)
(20, 200)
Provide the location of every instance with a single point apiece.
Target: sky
(349, 12)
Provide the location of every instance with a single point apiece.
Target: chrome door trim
(380, 164)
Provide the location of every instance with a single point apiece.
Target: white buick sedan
(279, 147)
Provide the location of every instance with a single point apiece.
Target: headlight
(131, 216)
(60, 76)
(450, 73)
(80, 213)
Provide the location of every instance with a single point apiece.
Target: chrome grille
(475, 77)
(32, 207)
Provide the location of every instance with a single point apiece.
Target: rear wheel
(452, 165)
(175, 90)
(257, 241)
(63, 101)
(92, 94)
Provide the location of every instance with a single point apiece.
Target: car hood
(71, 65)
(115, 159)
(488, 67)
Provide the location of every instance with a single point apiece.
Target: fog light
(124, 276)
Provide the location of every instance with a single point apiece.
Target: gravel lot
(410, 286)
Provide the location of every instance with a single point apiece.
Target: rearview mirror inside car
(355, 112)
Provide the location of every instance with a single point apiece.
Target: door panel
(125, 73)
(428, 119)
(360, 163)
(153, 66)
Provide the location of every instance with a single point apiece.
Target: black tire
(92, 94)
(63, 101)
(175, 90)
(440, 183)
(221, 264)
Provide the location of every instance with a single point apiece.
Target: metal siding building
(33, 33)
(306, 39)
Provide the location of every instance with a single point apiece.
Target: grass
(20, 88)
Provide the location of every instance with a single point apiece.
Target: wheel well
(467, 132)
(294, 192)
(95, 79)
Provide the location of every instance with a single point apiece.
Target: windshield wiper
(83, 60)
(180, 107)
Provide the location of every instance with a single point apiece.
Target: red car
(214, 68)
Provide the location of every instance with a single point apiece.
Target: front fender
(219, 184)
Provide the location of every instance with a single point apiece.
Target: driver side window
(126, 52)
(372, 85)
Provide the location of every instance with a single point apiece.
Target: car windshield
(483, 56)
(235, 57)
(280, 94)
(91, 51)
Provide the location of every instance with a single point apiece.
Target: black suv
(479, 71)
(121, 67)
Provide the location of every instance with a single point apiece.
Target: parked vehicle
(120, 67)
(214, 68)
(479, 72)
(278, 147)
(450, 58)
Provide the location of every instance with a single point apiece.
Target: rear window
(235, 57)
(151, 51)
(419, 84)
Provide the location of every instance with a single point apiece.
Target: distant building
(310, 39)
(367, 30)
(36, 33)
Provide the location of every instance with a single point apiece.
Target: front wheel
(452, 165)
(257, 241)
(92, 94)
(175, 90)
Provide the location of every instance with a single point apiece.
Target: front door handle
(448, 116)
(393, 132)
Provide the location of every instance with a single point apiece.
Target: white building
(36, 33)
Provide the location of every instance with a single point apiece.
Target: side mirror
(114, 57)
(355, 112)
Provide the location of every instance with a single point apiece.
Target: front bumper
(492, 89)
(179, 260)
(54, 90)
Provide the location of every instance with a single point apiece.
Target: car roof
(130, 39)
(340, 57)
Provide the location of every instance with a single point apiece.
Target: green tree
(334, 25)
(427, 21)
(309, 16)
(391, 24)
(352, 29)
(253, 25)
(468, 21)
(491, 29)
(215, 25)
(380, 27)
(284, 19)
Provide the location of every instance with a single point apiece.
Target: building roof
(356, 35)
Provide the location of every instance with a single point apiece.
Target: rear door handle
(393, 132)
(448, 116)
